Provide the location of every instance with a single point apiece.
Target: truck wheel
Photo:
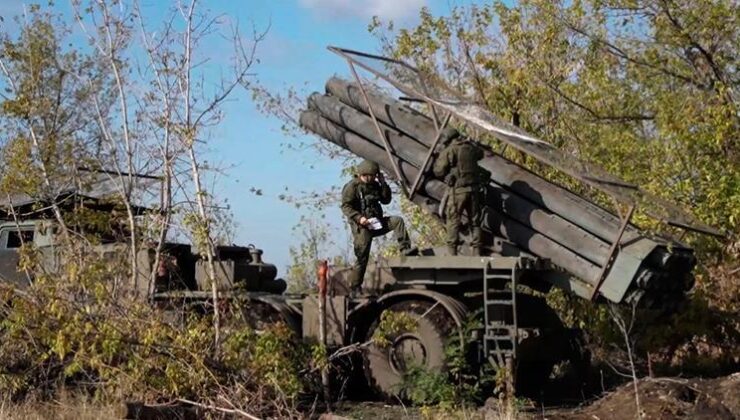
(423, 347)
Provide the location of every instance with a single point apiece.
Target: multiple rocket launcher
(536, 215)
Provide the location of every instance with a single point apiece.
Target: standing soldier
(361, 204)
(457, 164)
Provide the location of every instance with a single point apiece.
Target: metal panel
(569, 283)
(9, 268)
(625, 268)
(224, 275)
(457, 262)
(336, 319)
(9, 255)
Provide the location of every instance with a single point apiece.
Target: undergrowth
(75, 329)
(461, 384)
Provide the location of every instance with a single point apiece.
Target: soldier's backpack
(467, 172)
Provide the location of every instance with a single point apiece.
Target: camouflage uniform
(365, 199)
(457, 164)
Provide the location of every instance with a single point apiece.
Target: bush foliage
(74, 328)
(646, 89)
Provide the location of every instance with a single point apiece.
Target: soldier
(361, 204)
(457, 164)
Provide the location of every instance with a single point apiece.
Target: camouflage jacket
(359, 199)
(457, 164)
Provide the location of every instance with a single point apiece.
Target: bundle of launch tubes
(538, 216)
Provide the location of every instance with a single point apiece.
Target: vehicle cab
(14, 235)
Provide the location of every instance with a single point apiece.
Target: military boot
(355, 291)
(409, 251)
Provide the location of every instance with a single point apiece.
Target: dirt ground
(660, 398)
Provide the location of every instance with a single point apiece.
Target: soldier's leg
(463, 211)
(475, 215)
(362, 242)
(398, 226)
(452, 225)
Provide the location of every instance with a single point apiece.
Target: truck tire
(424, 347)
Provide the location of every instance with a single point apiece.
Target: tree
(121, 109)
(647, 89)
(48, 130)
(174, 115)
(133, 101)
(610, 82)
(305, 257)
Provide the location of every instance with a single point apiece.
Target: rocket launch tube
(518, 233)
(520, 181)
(551, 225)
(560, 201)
(538, 216)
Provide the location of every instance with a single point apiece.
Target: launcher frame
(416, 87)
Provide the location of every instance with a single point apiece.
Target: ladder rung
(500, 302)
(501, 330)
(500, 337)
(498, 324)
(498, 270)
(502, 351)
(503, 296)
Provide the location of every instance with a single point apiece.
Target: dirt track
(662, 398)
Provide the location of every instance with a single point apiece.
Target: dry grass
(66, 408)
(493, 410)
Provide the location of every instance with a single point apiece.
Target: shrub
(75, 328)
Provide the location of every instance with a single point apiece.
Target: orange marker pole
(322, 272)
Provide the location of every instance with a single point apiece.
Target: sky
(252, 145)
(295, 55)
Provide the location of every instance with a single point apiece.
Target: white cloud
(385, 9)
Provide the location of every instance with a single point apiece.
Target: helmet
(368, 167)
(449, 134)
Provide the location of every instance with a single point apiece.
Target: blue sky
(294, 54)
(252, 144)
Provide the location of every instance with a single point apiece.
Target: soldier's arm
(348, 197)
(442, 164)
(385, 193)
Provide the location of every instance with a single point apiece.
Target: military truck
(439, 292)
(539, 236)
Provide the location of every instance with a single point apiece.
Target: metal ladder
(500, 338)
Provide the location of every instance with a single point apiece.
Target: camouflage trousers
(363, 239)
(467, 201)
